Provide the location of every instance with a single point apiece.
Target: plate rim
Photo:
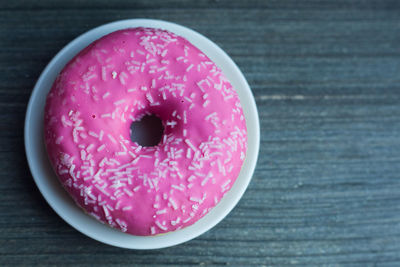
(97, 32)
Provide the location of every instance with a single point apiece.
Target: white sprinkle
(221, 168)
(184, 132)
(129, 193)
(205, 180)
(106, 95)
(118, 203)
(115, 161)
(104, 160)
(211, 115)
(171, 123)
(103, 74)
(153, 83)
(195, 199)
(105, 115)
(65, 122)
(164, 53)
(137, 188)
(191, 178)
(189, 68)
(178, 187)
(97, 175)
(152, 230)
(140, 52)
(106, 212)
(101, 135)
(188, 99)
(75, 135)
(176, 221)
(102, 190)
(127, 207)
(59, 139)
(112, 139)
(230, 168)
(90, 147)
(87, 78)
(161, 69)
(226, 183)
(216, 153)
(179, 58)
(192, 168)
(83, 135)
(187, 141)
(135, 62)
(205, 104)
(161, 211)
(137, 150)
(161, 226)
(188, 153)
(149, 98)
(119, 102)
(93, 134)
(173, 203)
(114, 74)
(200, 174)
(130, 90)
(184, 117)
(200, 85)
(63, 171)
(228, 97)
(89, 157)
(132, 154)
(122, 80)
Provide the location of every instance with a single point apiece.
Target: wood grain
(325, 75)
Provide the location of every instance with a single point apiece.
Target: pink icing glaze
(119, 79)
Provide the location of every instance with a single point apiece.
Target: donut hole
(147, 131)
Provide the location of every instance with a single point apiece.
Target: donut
(119, 79)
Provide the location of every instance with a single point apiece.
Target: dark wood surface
(326, 78)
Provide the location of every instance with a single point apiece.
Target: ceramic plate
(63, 204)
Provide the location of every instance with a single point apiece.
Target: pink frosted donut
(117, 80)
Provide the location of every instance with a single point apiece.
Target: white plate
(63, 204)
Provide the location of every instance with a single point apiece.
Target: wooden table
(326, 78)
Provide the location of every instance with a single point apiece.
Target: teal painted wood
(325, 76)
